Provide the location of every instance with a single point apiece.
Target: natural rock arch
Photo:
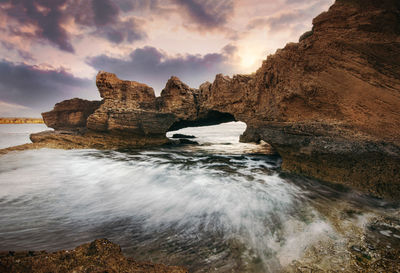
(212, 117)
(329, 104)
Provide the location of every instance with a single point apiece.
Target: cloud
(50, 20)
(299, 15)
(16, 110)
(40, 88)
(207, 14)
(59, 22)
(105, 12)
(129, 30)
(22, 53)
(46, 16)
(110, 25)
(257, 23)
(154, 67)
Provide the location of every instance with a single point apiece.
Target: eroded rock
(97, 256)
(70, 114)
(328, 104)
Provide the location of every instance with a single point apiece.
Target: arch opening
(211, 118)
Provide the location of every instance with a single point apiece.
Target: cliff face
(328, 104)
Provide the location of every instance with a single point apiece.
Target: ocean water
(17, 134)
(220, 206)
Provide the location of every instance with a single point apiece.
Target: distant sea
(17, 134)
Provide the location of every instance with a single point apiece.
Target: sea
(215, 206)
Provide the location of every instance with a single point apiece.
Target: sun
(248, 58)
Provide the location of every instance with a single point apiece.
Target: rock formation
(97, 256)
(128, 111)
(330, 104)
(70, 114)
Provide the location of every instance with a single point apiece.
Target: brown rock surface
(70, 114)
(128, 108)
(179, 99)
(97, 256)
(328, 104)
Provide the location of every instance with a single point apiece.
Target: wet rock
(97, 256)
(187, 141)
(88, 140)
(182, 136)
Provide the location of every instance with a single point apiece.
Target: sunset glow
(62, 44)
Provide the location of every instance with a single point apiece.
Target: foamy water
(214, 207)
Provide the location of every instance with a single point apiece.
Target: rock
(182, 136)
(185, 141)
(128, 108)
(179, 99)
(329, 105)
(130, 94)
(97, 256)
(93, 140)
(70, 114)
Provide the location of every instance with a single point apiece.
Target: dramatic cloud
(106, 18)
(208, 14)
(46, 16)
(154, 67)
(143, 40)
(23, 54)
(39, 88)
(50, 20)
(290, 20)
(105, 12)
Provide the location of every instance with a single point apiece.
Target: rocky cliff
(330, 104)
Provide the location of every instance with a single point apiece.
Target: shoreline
(100, 255)
(360, 243)
(358, 246)
(21, 121)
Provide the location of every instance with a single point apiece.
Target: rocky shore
(363, 243)
(328, 104)
(98, 256)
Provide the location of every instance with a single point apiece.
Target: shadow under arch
(211, 118)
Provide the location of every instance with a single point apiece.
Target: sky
(51, 50)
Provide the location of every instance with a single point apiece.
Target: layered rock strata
(70, 114)
(330, 104)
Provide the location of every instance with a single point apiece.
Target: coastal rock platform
(98, 256)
